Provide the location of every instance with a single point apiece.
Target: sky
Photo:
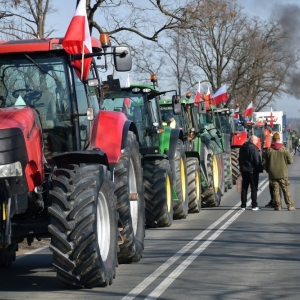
(263, 9)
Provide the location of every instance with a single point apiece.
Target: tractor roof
(38, 45)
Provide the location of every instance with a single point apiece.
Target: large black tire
(158, 193)
(194, 184)
(8, 255)
(227, 171)
(212, 194)
(83, 225)
(129, 190)
(221, 168)
(180, 206)
(235, 164)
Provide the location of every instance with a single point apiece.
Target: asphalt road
(220, 253)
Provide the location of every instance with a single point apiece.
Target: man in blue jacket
(250, 167)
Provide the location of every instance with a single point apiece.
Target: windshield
(135, 107)
(41, 83)
(167, 111)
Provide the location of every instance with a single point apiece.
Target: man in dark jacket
(276, 158)
(250, 167)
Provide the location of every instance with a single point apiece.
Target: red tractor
(68, 169)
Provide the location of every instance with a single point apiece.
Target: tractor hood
(18, 117)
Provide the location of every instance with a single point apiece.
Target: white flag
(127, 84)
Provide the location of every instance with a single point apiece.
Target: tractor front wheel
(83, 225)
(194, 184)
(158, 193)
(181, 205)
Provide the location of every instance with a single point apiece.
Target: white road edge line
(168, 281)
(147, 281)
(32, 252)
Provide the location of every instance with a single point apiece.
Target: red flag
(249, 110)
(236, 114)
(220, 95)
(198, 96)
(271, 118)
(78, 41)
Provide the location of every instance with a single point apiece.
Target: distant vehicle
(279, 123)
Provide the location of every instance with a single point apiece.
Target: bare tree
(260, 69)
(28, 18)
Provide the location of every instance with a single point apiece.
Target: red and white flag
(271, 118)
(220, 96)
(249, 110)
(198, 96)
(236, 113)
(78, 41)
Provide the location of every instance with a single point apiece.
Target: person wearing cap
(169, 120)
(276, 158)
(250, 167)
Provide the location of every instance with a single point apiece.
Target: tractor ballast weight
(161, 152)
(63, 162)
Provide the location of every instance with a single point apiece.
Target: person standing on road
(296, 144)
(276, 158)
(250, 167)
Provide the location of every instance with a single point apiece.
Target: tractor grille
(12, 146)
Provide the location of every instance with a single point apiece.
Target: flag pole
(82, 60)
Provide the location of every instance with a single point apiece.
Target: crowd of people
(275, 160)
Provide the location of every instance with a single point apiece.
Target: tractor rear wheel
(158, 193)
(212, 194)
(83, 225)
(129, 190)
(194, 184)
(180, 207)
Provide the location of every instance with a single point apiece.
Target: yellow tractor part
(183, 182)
(215, 174)
(169, 192)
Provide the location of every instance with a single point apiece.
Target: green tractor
(204, 152)
(223, 118)
(161, 151)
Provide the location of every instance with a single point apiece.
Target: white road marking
(32, 252)
(168, 281)
(164, 285)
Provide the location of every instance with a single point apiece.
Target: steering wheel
(30, 97)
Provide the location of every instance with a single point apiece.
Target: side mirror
(176, 104)
(122, 59)
(201, 107)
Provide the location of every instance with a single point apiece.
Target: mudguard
(109, 133)
(26, 119)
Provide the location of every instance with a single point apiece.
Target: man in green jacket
(276, 158)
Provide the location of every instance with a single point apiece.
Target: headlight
(11, 170)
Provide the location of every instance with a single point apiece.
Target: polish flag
(198, 96)
(271, 118)
(249, 110)
(220, 95)
(236, 114)
(78, 41)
